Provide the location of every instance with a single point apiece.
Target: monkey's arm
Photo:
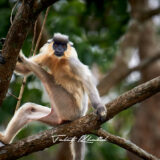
(86, 77)
(40, 59)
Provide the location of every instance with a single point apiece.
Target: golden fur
(60, 69)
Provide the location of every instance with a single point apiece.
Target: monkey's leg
(27, 113)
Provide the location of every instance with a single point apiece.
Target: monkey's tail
(78, 150)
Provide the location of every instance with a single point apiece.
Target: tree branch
(145, 63)
(25, 18)
(126, 144)
(149, 14)
(119, 73)
(142, 14)
(81, 126)
(128, 41)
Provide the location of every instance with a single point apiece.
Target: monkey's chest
(70, 82)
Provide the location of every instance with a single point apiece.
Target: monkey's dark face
(59, 48)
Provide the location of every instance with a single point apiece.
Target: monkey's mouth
(59, 54)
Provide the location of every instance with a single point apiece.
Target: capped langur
(68, 82)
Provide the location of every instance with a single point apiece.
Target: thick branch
(80, 126)
(126, 144)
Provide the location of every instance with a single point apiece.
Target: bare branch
(149, 14)
(142, 14)
(126, 144)
(119, 73)
(81, 126)
(21, 93)
(41, 32)
(146, 63)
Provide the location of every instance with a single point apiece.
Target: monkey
(68, 82)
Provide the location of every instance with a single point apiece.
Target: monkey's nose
(59, 54)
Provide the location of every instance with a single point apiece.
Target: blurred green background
(95, 28)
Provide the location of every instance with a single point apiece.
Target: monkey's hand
(21, 57)
(101, 112)
(22, 67)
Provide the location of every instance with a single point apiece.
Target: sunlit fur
(59, 67)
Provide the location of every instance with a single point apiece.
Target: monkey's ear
(71, 43)
(50, 40)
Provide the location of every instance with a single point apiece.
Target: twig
(34, 37)
(13, 95)
(21, 93)
(126, 144)
(40, 34)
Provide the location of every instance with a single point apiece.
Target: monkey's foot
(102, 113)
